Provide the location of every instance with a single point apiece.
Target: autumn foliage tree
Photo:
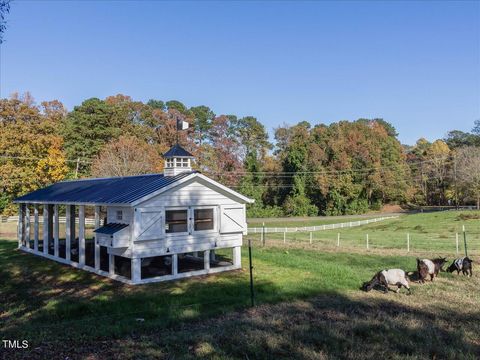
(345, 167)
(126, 156)
(31, 146)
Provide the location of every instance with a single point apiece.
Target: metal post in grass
(408, 242)
(310, 237)
(284, 237)
(456, 241)
(338, 239)
(367, 242)
(252, 294)
(263, 234)
(465, 240)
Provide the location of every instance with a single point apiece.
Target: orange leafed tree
(127, 156)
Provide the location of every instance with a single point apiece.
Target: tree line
(347, 167)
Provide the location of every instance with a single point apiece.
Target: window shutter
(151, 223)
(232, 219)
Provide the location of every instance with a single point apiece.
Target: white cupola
(177, 161)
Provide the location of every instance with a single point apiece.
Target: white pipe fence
(350, 224)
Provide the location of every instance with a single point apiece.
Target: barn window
(119, 215)
(176, 221)
(203, 219)
(169, 163)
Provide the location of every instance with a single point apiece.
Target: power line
(28, 158)
(323, 172)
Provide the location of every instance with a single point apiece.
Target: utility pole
(76, 169)
(455, 179)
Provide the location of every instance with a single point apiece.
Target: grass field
(430, 233)
(308, 221)
(308, 306)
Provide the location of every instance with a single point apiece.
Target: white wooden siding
(127, 215)
(191, 193)
(150, 238)
(184, 244)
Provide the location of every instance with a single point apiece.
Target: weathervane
(181, 125)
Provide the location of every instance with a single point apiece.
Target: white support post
(35, 227)
(81, 235)
(174, 264)
(111, 264)
(206, 260)
(456, 241)
(284, 237)
(408, 242)
(20, 226)
(97, 246)
(237, 256)
(338, 239)
(46, 235)
(310, 237)
(136, 270)
(56, 229)
(27, 226)
(68, 233)
(367, 242)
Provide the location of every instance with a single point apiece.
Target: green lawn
(433, 233)
(312, 221)
(308, 306)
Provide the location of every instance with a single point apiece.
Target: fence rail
(62, 219)
(343, 225)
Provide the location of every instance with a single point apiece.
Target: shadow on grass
(329, 326)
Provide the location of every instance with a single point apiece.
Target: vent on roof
(177, 161)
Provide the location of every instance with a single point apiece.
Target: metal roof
(110, 229)
(114, 190)
(178, 151)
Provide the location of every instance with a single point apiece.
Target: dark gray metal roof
(115, 190)
(178, 151)
(110, 229)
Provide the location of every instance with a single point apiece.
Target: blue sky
(416, 64)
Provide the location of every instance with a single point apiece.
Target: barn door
(232, 219)
(151, 224)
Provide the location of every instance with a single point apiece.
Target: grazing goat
(427, 267)
(396, 277)
(463, 264)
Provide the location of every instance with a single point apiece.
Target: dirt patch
(468, 216)
(392, 208)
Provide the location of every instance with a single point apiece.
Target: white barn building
(146, 228)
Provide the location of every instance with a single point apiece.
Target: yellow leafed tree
(53, 168)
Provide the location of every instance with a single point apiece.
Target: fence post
(408, 242)
(367, 241)
(252, 295)
(456, 241)
(465, 240)
(263, 234)
(338, 239)
(310, 237)
(284, 237)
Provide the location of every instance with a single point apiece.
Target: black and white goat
(463, 264)
(394, 277)
(427, 267)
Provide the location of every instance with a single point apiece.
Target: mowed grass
(430, 234)
(308, 306)
(308, 221)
